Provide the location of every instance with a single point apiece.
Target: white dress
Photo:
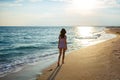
(62, 43)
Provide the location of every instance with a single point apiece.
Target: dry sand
(97, 62)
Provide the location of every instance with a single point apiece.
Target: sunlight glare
(83, 34)
(83, 5)
(84, 31)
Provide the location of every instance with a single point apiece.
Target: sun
(83, 5)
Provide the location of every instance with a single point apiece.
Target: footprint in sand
(117, 53)
(119, 57)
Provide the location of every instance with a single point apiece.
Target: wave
(97, 35)
(56, 42)
(24, 48)
(4, 42)
(86, 37)
(11, 54)
(14, 65)
(45, 55)
(94, 36)
(27, 37)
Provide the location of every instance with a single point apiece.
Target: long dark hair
(62, 33)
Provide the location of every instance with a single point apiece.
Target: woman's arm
(58, 42)
(66, 42)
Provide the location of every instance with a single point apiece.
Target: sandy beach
(96, 62)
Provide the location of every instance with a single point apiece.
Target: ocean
(22, 46)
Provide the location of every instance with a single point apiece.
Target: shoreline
(26, 71)
(29, 71)
(63, 72)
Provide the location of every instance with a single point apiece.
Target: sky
(59, 12)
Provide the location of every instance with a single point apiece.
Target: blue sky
(59, 12)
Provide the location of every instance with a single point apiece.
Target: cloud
(66, 1)
(60, 0)
(16, 3)
(35, 1)
(108, 3)
(105, 3)
(10, 4)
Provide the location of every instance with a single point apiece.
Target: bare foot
(58, 64)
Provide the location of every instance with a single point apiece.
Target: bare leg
(60, 52)
(63, 56)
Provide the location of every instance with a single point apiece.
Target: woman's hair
(62, 33)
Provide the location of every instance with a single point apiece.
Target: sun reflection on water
(83, 35)
(84, 31)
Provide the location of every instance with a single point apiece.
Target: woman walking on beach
(62, 45)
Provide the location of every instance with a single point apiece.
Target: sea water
(25, 45)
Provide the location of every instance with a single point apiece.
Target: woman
(62, 45)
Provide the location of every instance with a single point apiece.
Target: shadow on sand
(54, 73)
